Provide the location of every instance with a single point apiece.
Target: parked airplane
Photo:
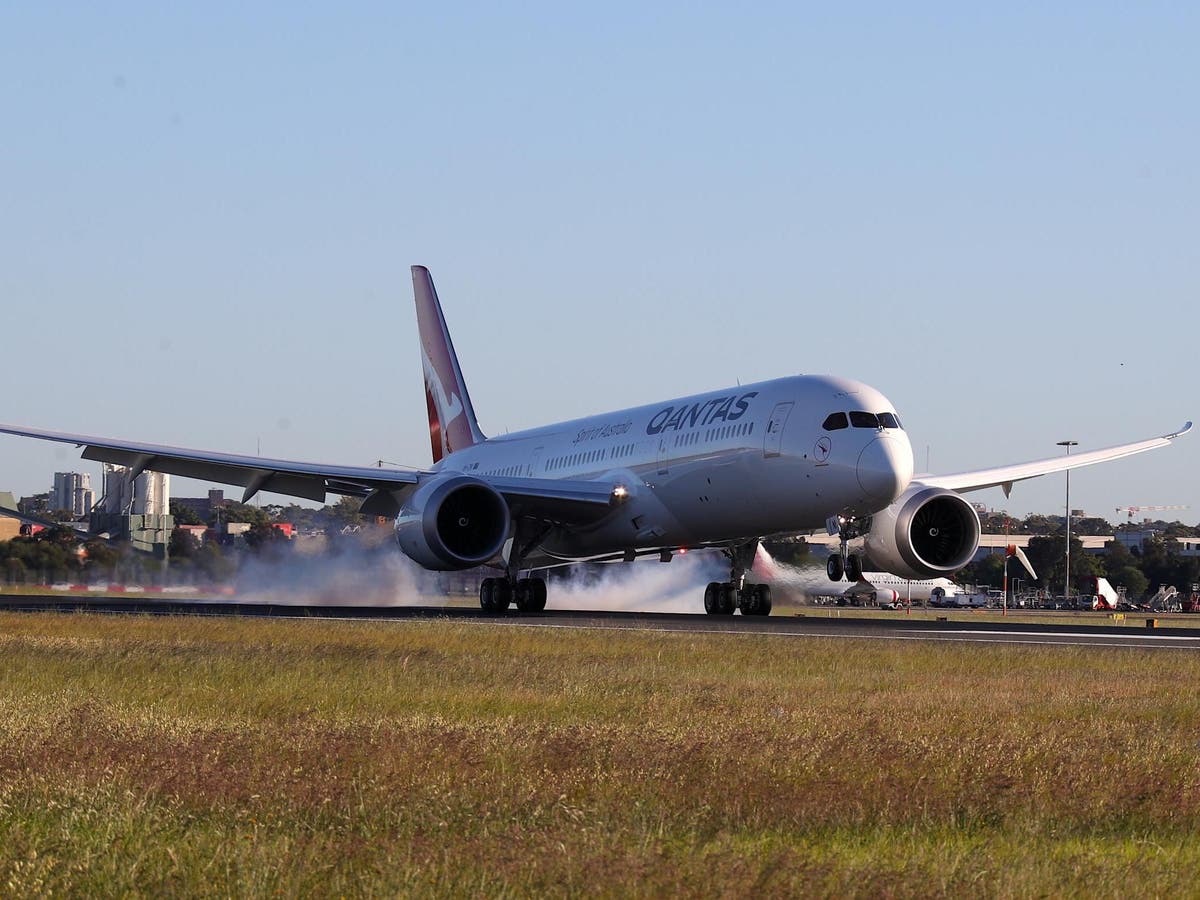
(721, 469)
(881, 588)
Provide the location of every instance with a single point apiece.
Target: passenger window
(864, 419)
(835, 421)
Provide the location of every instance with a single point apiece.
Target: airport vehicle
(721, 469)
(1104, 596)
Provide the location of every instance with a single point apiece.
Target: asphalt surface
(818, 622)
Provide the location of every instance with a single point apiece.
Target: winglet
(452, 424)
(1187, 426)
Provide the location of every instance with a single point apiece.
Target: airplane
(882, 588)
(721, 469)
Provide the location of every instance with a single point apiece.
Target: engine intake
(927, 533)
(453, 522)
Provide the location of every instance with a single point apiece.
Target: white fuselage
(906, 589)
(728, 465)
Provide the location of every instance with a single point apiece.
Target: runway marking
(961, 636)
(1129, 636)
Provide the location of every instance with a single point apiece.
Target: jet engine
(927, 533)
(453, 522)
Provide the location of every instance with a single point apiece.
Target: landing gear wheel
(711, 594)
(834, 568)
(522, 595)
(727, 599)
(495, 594)
(531, 595)
(748, 600)
(854, 568)
(762, 599)
(502, 595)
(756, 600)
(487, 589)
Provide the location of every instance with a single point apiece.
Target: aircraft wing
(255, 473)
(1005, 476)
(561, 501)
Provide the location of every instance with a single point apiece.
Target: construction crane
(1130, 510)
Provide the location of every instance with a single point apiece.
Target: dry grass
(150, 756)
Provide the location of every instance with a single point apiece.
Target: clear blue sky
(990, 215)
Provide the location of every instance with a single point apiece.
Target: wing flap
(565, 502)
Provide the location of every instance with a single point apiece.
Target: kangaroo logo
(449, 407)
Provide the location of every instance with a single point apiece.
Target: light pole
(1067, 577)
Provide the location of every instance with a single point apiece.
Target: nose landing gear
(844, 562)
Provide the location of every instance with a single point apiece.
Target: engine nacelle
(453, 522)
(927, 533)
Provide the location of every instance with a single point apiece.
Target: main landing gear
(722, 598)
(529, 594)
(844, 562)
(497, 594)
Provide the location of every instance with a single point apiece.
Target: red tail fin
(452, 424)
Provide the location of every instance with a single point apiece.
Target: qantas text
(719, 409)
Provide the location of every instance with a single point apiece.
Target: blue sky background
(989, 215)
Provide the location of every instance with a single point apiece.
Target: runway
(815, 624)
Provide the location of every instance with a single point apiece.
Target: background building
(147, 495)
(72, 492)
(136, 510)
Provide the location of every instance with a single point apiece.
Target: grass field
(185, 756)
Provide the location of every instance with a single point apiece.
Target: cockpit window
(861, 419)
(889, 420)
(835, 421)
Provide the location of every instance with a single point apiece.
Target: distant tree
(338, 515)
(241, 512)
(989, 570)
(101, 557)
(184, 515)
(267, 540)
(304, 518)
(1037, 523)
(1047, 555)
(1130, 578)
(1162, 564)
(183, 544)
(1092, 525)
(213, 563)
(14, 570)
(1178, 529)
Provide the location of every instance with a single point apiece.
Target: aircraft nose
(885, 468)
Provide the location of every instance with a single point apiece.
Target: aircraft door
(535, 461)
(773, 439)
(663, 463)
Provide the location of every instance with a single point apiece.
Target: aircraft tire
(854, 568)
(762, 599)
(834, 568)
(539, 594)
(747, 602)
(710, 598)
(522, 595)
(531, 595)
(502, 595)
(727, 597)
(486, 592)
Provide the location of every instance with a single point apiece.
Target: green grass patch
(149, 756)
